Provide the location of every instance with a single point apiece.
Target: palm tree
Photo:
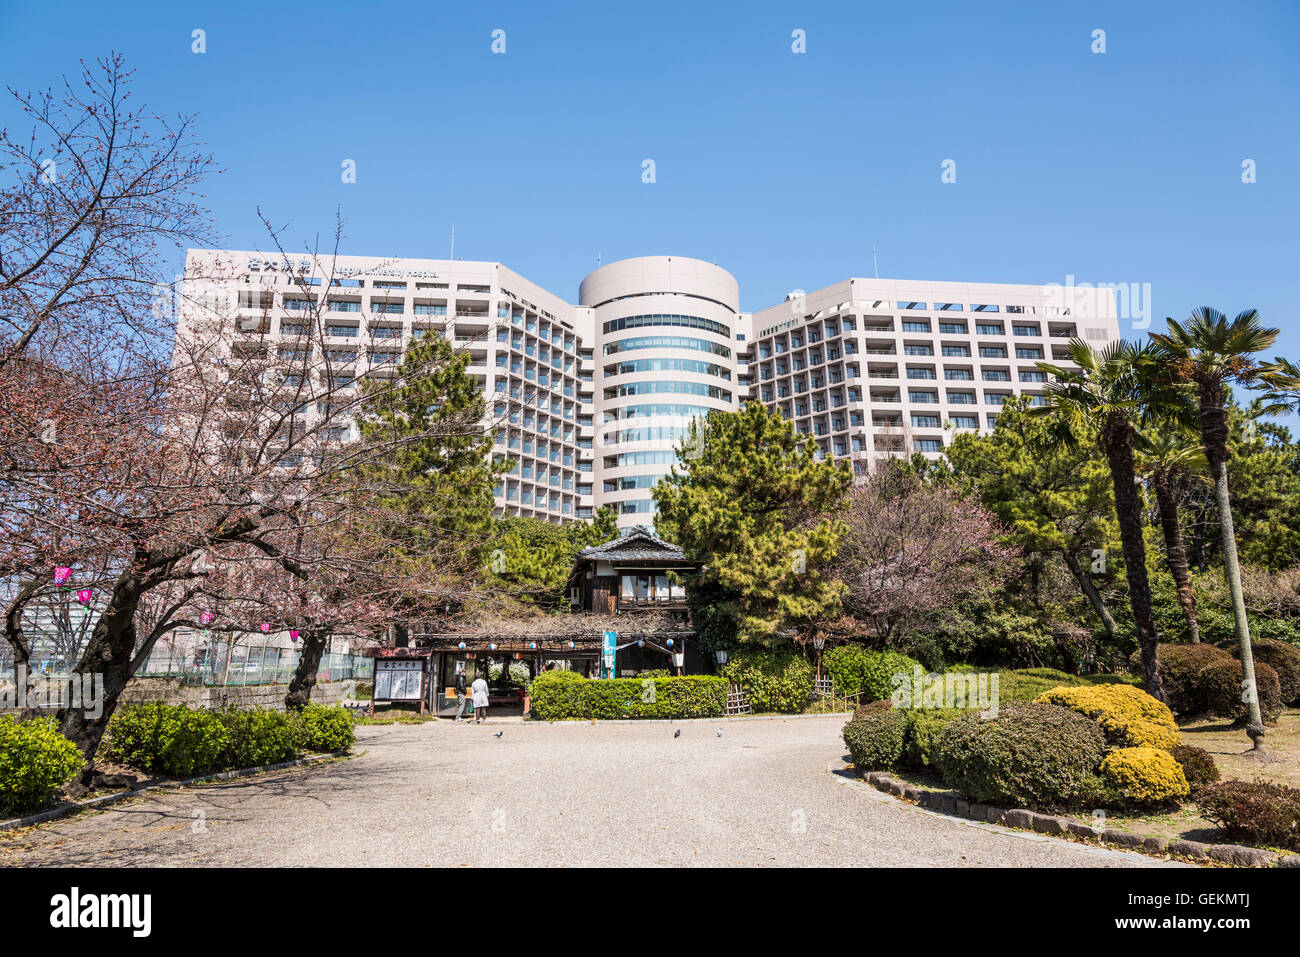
(1210, 352)
(1283, 380)
(1108, 391)
(1172, 456)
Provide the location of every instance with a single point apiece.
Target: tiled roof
(637, 543)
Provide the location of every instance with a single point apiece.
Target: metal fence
(219, 663)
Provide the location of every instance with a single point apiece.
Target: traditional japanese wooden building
(632, 587)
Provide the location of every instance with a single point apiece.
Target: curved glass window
(667, 342)
(658, 457)
(668, 319)
(661, 433)
(657, 408)
(630, 366)
(685, 388)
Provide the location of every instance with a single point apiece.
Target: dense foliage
(1030, 755)
(1256, 811)
(560, 695)
(774, 680)
(35, 761)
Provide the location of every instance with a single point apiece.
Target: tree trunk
(1090, 592)
(107, 653)
(304, 676)
(1176, 554)
(1128, 509)
(1214, 435)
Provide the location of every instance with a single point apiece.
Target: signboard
(607, 654)
(398, 680)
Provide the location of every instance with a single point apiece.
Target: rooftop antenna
(453, 243)
(874, 264)
(598, 259)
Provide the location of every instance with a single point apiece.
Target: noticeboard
(398, 680)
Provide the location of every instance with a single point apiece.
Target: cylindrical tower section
(665, 352)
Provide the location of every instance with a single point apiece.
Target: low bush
(1145, 776)
(1028, 683)
(1221, 686)
(256, 737)
(1031, 754)
(324, 729)
(1180, 667)
(1128, 716)
(559, 695)
(1282, 658)
(35, 761)
(180, 741)
(779, 680)
(924, 727)
(1259, 812)
(175, 740)
(1198, 765)
(858, 670)
(876, 739)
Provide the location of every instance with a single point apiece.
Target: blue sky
(1115, 167)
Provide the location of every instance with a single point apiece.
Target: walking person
(461, 694)
(480, 691)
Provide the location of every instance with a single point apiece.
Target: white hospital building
(589, 399)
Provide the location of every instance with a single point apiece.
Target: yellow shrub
(1129, 717)
(1145, 775)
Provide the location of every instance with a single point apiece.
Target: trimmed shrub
(1128, 716)
(324, 729)
(855, 669)
(1221, 687)
(1031, 754)
(35, 761)
(881, 667)
(876, 740)
(780, 680)
(257, 737)
(182, 742)
(1145, 775)
(924, 726)
(1282, 658)
(1198, 766)
(559, 695)
(175, 740)
(1180, 667)
(1256, 811)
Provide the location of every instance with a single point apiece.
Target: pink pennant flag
(205, 618)
(61, 574)
(265, 627)
(83, 595)
(293, 635)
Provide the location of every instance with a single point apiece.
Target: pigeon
(498, 734)
(719, 732)
(677, 733)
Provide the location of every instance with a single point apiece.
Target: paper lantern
(83, 595)
(61, 574)
(492, 646)
(532, 646)
(265, 627)
(517, 656)
(670, 642)
(461, 646)
(572, 645)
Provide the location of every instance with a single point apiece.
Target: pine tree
(753, 504)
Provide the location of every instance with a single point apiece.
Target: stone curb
(64, 810)
(1234, 854)
(731, 717)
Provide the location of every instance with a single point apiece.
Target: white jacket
(479, 690)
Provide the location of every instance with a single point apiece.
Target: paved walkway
(443, 794)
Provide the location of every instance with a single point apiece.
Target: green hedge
(883, 738)
(35, 761)
(855, 669)
(780, 680)
(558, 695)
(1030, 755)
(180, 741)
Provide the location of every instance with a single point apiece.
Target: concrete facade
(589, 400)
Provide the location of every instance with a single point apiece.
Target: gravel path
(444, 794)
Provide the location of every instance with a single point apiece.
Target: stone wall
(248, 696)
